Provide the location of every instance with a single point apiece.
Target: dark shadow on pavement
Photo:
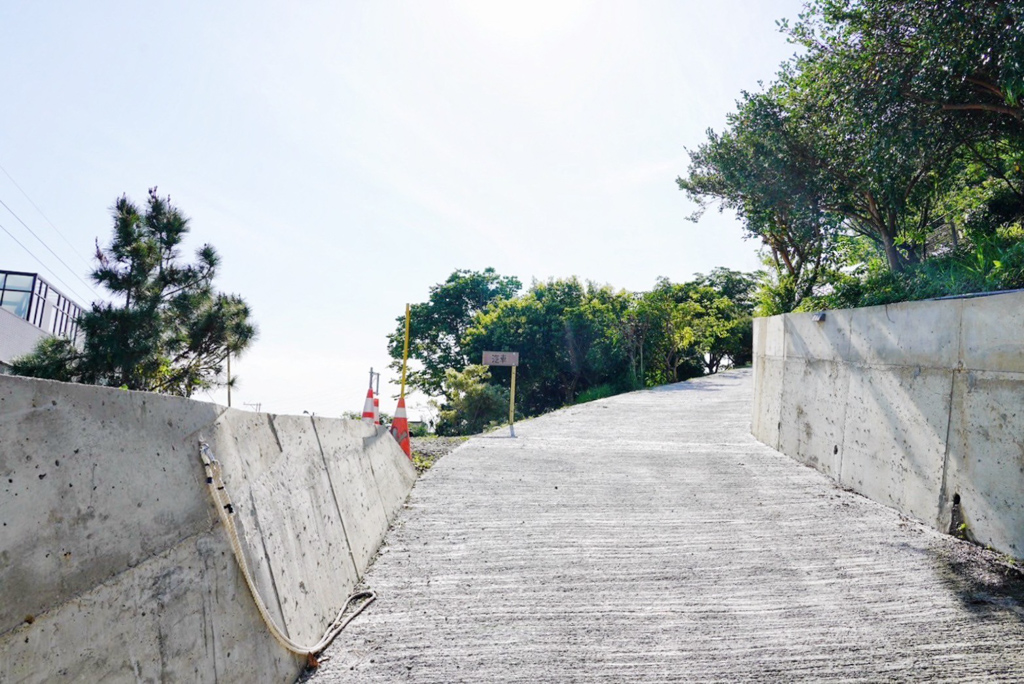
(983, 581)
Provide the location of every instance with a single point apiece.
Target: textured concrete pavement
(648, 537)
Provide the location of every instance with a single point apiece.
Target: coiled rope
(215, 482)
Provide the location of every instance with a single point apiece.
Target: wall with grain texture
(916, 405)
(114, 565)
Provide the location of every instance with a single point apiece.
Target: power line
(70, 269)
(56, 230)
(55, 276)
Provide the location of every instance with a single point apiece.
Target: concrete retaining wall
(911, 404)
(113, 563)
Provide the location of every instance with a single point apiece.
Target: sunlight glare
(523, 19)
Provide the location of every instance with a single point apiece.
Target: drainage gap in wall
(957, 523)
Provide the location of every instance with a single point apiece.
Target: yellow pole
(512, 405)
(405, 354)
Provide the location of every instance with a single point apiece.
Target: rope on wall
(225, 509)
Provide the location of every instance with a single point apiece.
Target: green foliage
(696, 326)
(667, 351)
(471, 403)
(439, 325)
(994, 264)
(961, 58)
(54, 358)
(764, 169)
(565, 332)
(422, 462)
(171, 332)
(582, 341)
(595, 393)
(427, 451)
(385, 419)
(722, 328)
(886, 158)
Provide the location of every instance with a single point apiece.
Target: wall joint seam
(337, 505)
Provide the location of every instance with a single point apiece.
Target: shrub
(594, 393)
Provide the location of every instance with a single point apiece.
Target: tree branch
(998, 109)
(985, 85)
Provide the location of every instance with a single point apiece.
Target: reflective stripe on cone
(400, 428)
(368, 407)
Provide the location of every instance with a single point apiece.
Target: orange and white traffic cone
(400, 428)
(368, 407)
(376, 410)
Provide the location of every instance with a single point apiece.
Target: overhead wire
(36, 206)
(43, 243)
(19, 243)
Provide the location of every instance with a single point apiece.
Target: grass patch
(426, 451)
(595, 393)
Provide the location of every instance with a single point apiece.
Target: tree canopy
(897, 124)
(168, 329)
(439, 325)
(580, 339)
(472, 404)
(564, 332)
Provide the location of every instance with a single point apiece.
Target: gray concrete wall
(909, 404)
(114, 565)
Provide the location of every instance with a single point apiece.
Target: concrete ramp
(113, 563)
(649, 537)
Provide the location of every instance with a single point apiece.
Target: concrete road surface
(648, 538)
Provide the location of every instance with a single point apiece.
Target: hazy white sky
(344, 156)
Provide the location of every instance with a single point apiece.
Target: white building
(31, 309)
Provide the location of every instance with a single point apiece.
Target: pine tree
(168, 329)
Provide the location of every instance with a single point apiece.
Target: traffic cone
(400, 428)
(376, 410)
(368, 407)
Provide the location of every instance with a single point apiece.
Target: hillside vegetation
(884, 163)
(577, 341)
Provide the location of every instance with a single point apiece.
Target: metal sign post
(506, 359)
(405, 352)
(512, 406)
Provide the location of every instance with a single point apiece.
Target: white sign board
(492, 358)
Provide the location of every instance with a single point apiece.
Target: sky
(345, 156)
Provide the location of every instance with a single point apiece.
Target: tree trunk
(643, 383)
(892, 255)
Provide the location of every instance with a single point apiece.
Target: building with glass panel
(30, 309)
